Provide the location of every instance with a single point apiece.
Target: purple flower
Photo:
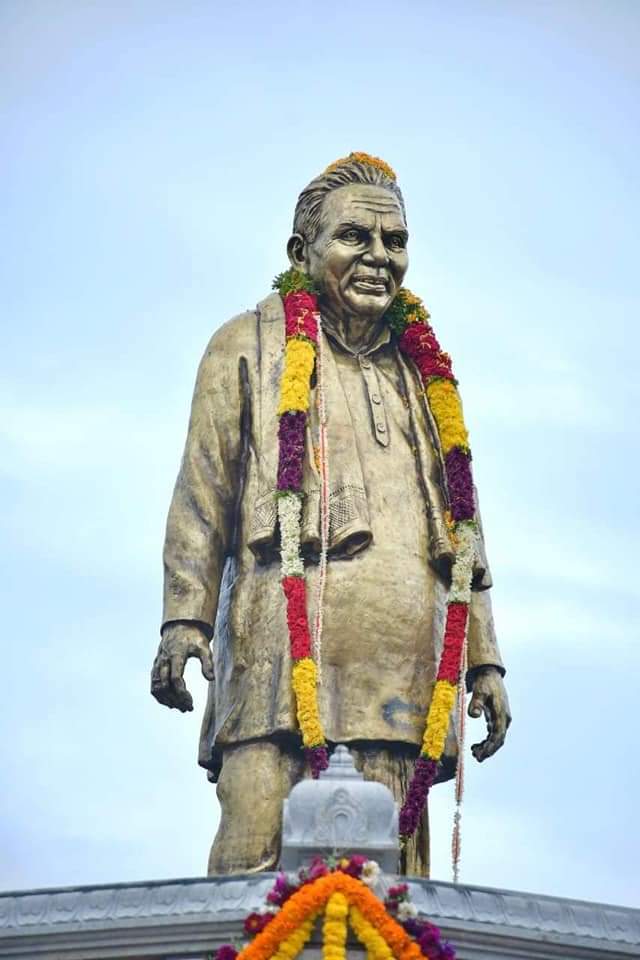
(423, 776)
(429, 935)
(317, 868)
(398, 892)
(447, 952)
(457, 465)
(291, 432)
(280, 891)
(355, 865)
(413, 926)
(431, 950)
(226, 952)
(318, 760)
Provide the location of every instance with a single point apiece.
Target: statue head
(350, 236)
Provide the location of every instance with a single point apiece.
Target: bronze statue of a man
(389, 547)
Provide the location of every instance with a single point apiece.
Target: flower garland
(409, 320)
(389, 929)
(301, 340)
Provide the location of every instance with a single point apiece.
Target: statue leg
(255, 779)
(392, 764)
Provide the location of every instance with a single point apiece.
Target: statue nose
(377, 252)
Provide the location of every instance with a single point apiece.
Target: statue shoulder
(239, 336)
(236, 337)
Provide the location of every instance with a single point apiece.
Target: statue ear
(297, 252)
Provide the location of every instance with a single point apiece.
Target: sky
(150, 157)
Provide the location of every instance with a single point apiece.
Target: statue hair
(308, 214)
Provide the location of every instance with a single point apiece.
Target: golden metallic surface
(389, 549)
(257, 776)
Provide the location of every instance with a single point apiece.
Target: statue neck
(357, 333)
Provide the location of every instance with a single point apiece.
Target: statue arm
(484, 677)
(200, 518)
(200, 524)
(482, 648)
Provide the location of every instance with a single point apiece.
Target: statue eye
(396, 242)
(352, 235)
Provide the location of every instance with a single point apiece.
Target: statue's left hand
(179, 642)
(490, 697)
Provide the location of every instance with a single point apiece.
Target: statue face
(359, 256)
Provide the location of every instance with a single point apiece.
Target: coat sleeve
(201, 516)
(482, 648)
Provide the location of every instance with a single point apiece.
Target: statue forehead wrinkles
(361, 200)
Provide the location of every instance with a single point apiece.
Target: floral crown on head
(363, 158)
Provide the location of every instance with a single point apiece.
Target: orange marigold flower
(311, 898)
(360, 157)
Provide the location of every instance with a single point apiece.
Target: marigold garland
(358, 157)
(301, 337)
(292, 945)
(304, 677)
(447, 411)
(335, 927)
(376, 946)
(409, 320)
(389, 929)
(299, 358)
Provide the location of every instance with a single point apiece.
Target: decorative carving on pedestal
(338, 814)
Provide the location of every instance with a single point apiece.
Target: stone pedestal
(338, 814)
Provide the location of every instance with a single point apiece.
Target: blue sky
(150, 158)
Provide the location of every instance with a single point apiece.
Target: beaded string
(456, 839)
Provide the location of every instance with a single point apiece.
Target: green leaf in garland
(406, 308)
(293, 281)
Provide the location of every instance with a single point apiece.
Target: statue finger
(155, 670)
(160, 678)
(206, 663)
(484, 749)
(497, 733)
(477, 706)
(177, 663)
(491, 745)
(181, 696)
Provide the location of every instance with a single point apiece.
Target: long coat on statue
(390, 554)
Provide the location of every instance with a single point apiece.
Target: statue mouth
(370, 284)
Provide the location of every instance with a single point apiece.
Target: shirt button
(380, 427)
(366, 364)
(375, 398)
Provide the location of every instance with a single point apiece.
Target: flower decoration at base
(389, 929)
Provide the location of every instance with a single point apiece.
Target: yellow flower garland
(435, 734)
(304, 679)
(299, 356)
(444, 401)
(292, 945)
(374, 944)
(335, 927)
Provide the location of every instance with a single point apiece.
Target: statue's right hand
(179, 642)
